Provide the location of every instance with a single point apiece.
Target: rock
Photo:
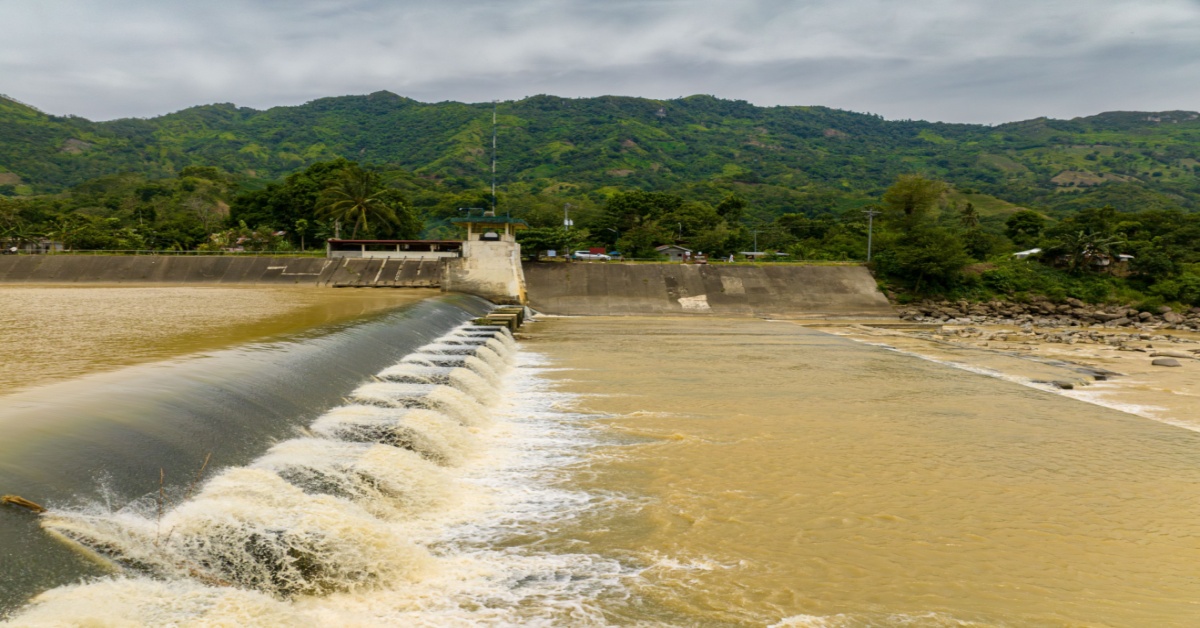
(1164, 309)
(1145, 316)
(1173, 354)
(1166, 362)
(1105, 316)
(1172, 317)
(1075, 303)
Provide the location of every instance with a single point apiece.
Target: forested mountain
(808, 160)
(954, 201)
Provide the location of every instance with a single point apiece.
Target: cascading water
(352, 504)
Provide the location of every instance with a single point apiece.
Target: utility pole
(871, 214)
(494, 106)
(567, 216)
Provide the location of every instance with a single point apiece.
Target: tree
(355, 198)
(1082, 249)
(538, 239)
(301, 228)
(406, 225)
(1024, 227)
(926, 257)
(731, 208)
(280, 205)
(911, 196)
(968, 217)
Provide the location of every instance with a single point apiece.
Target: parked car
(592, 256)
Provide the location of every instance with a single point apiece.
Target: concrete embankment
(783, 291)
(314, 271)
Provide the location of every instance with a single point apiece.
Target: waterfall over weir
(312, 462)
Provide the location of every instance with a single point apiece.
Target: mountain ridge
(781, 154)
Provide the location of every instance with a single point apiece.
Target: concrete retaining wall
(636, 289)
(313, 271)
(579, 288)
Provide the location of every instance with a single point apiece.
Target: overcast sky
(951, 60)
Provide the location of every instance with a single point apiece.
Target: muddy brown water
(780, 474)
(54, 333)
(710, 472)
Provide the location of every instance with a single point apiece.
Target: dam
(787, 291)
(631, 462)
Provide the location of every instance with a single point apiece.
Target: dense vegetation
(714, 175)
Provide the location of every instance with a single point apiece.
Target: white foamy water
(391, 512)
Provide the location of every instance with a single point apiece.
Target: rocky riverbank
(1047, 314)
(1120, 366)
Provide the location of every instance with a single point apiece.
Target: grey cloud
(954, 60)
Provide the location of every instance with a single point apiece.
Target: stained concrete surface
(782, 291)
(581, 288)
(314, 271)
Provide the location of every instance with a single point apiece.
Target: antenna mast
(494, 105)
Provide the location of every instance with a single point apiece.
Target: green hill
(782, 159)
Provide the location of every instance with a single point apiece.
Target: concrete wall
(313, 271)
(383, 273)
(782, 291)
(490, 269)
(494, 272)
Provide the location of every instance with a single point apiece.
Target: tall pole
(494, 105)
(871, 214)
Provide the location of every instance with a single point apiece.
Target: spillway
(295, 427)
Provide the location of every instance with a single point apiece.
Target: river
(600, 471)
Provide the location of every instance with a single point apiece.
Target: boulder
(1173, 317)
(1145, 316)
(1166, 362)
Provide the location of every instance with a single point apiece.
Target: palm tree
(355, 198)
(1082, 248)
(969, 217)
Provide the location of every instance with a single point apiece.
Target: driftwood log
(14, 500)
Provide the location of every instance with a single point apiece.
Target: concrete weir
(490, 269)
(312, 271)
(779, 291)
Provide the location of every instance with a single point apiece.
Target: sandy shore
(1097, 365)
